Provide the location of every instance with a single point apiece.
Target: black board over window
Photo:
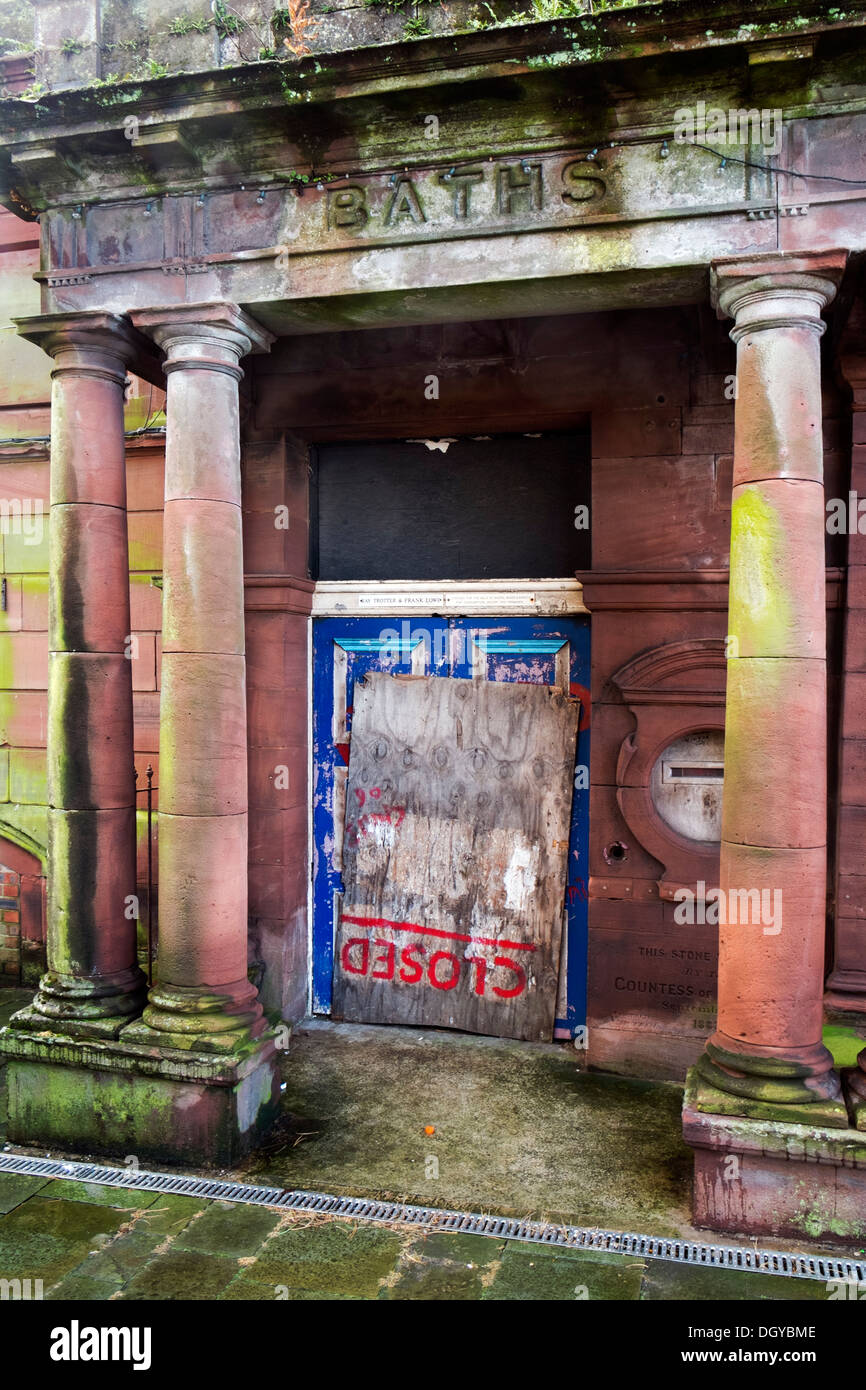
(498, 508)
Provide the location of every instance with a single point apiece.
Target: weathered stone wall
(96, 41)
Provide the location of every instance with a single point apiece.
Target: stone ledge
(119, 1056)
(117, 1099)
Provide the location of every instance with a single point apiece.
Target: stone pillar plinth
(202, 1000)
(766, 1059)
(93, 984)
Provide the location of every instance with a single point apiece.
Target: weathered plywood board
(454, 854)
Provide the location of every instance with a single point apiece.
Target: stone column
(202, 1000)
(766, 1059)
(93, 984)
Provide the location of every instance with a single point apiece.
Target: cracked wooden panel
(454, 854)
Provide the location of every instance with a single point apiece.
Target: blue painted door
(550, 651)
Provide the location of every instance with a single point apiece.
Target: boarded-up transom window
(508, 507)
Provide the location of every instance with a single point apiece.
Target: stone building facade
(247, 258)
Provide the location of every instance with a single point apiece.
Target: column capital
(89, 342)
(779, 290)
(209, 336)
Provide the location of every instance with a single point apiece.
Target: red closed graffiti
(442, 970)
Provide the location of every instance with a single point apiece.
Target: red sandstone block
(770, 1195)
(265, 547)
(276, 652)
(204, 577)
(145, 480)
(854, 706)
(24, 660)
(266, 483)
(89, 544)
(635, 433)
(297, 550)
(277, 777)
(145, 705)
(274, 889)
(855, 640)
(101, 721)
(10, 915)
(12, 619)
(144, 661)
(858, 427)
(710, 438)
(278, 837)
(23, 718)
(34, 602)
(11, 888)
(610, 725)
(835, 434)
(851, 905)
(145, 541)
(709, 390)
(203, 867)
(770, 798)
(851, 839)
(720, 412)
(857, 586)
(276, 718)
(784, 617)
(204, 744)
(145, 601)
(669, 522)
(771, 970)
(26, 481)
(609, 829)
(632, 1051)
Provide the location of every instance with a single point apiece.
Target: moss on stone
(761, 612)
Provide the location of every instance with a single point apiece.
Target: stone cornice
(62, 125)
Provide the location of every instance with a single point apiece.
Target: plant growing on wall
(226, 23)
(301, 25)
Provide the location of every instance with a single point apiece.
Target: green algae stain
(844, 1043)
(761, 610)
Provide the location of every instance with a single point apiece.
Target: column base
(81, 1007)
(760, 1177)
(803, 1089)
(845, 998)
(114, 1098)
(195, 1020)
(711, 1100)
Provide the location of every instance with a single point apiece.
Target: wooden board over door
(454, 854)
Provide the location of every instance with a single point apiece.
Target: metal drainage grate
(690, 1252)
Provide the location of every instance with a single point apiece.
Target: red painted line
(434, 931)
